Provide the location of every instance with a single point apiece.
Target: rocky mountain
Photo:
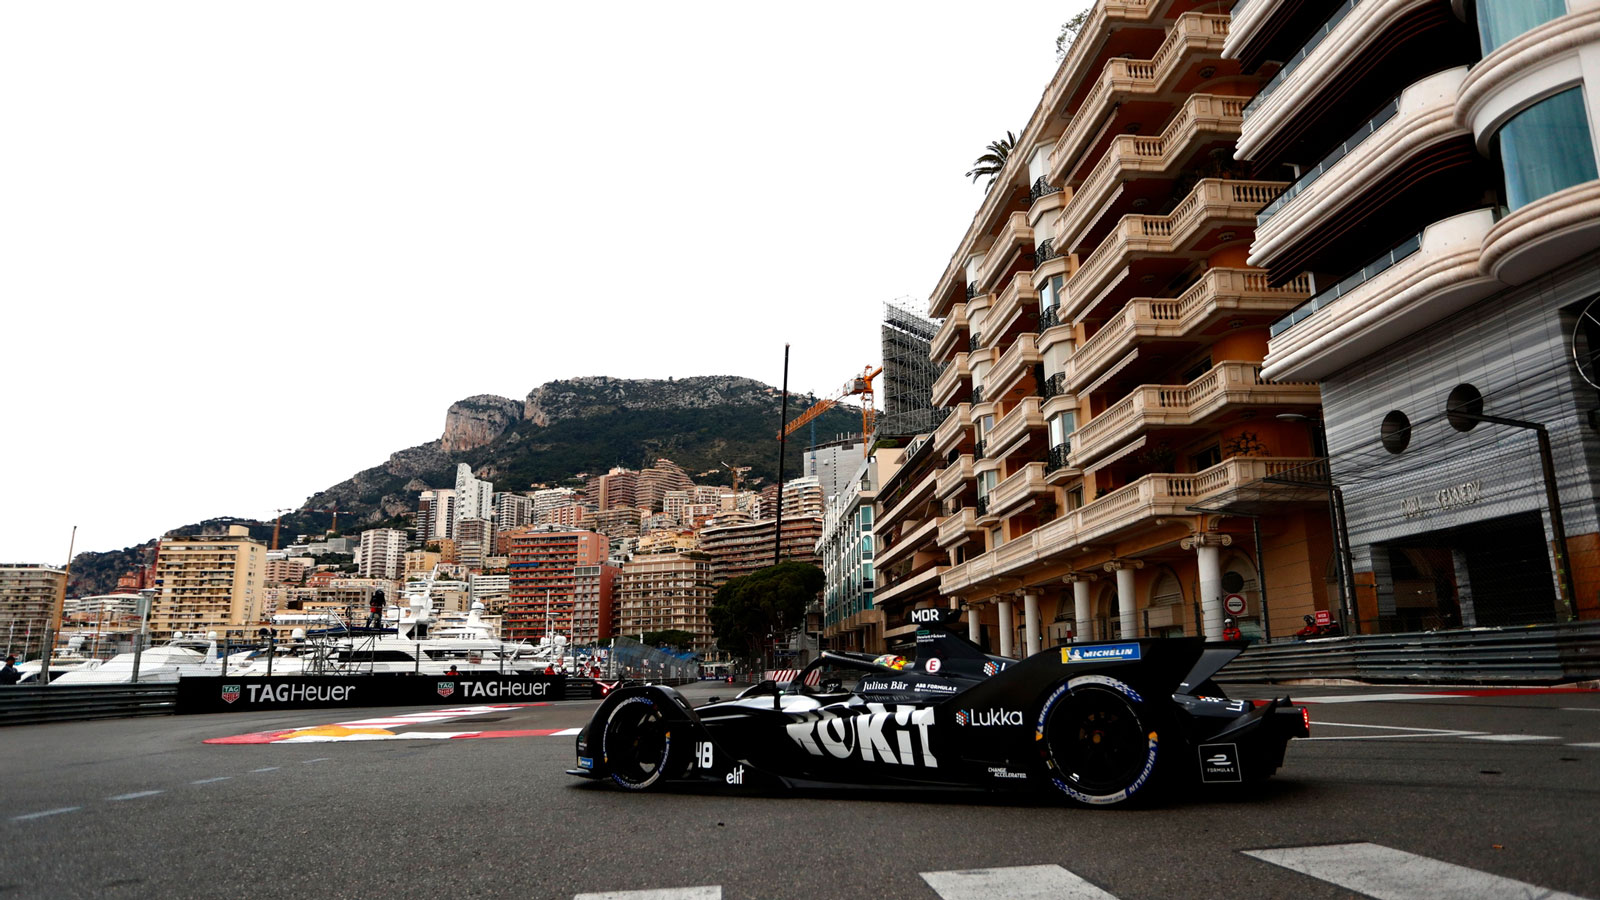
(586, 425)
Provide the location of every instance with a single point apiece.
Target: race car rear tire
(1099, 741)
(636, 744)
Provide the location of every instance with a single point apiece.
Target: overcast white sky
(247, 250)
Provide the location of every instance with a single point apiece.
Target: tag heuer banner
(235, 694)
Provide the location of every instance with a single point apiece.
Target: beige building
(419, 562)
(1101, 352)
(667, 592)
(668, 541)
(289, 571)
(740, 549)
(209, 583)
(28, 597)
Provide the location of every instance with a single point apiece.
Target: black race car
(1103, 723)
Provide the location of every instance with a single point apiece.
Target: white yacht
(183, 655)
(415, 645)
(68, 659)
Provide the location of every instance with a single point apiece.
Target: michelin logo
(1106, 653)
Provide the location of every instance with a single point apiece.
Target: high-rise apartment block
(846, 550)
(653, 483)
(1443, 210)
(542, 579)
(288, 570)
(209, 582)
(805, 496)
(740, 549)
(830, 464)
(436, 515)
(28, 597)
(475, 540)
(550, 498)
(668, 591)
(594, 602)
(1101, 348)
(382, 553)
(567, 515)
(474, 496)
(911, 532)
(615, 488)
(512, 511)
(673, 504)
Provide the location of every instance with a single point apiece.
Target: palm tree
(993, 161)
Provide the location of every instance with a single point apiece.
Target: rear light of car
(1305, 718)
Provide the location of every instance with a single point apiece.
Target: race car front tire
(636, 744)
(1099, 741)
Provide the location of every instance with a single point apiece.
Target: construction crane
(275, 523)
(860, 385)
(737, 471)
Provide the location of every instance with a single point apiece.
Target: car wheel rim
(1097, 741)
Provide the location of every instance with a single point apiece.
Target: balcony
(1130, 156)
(1015, 425)
(1058, 466)
(1016, 236)
(1044, 201)
(954, 381)
(1018, 360)
(1193, 38)
(909, 506)
(955, 431)
(894, 593)
(1213, 204)
(954, 477)
(1017, 301)
(958, 527)
(1362, 165)
(1220, 293)
(920, 536)
(1017, 491)
(951, 335)
(1228, 384)
(1416, 284)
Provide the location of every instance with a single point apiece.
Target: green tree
(1069, 33)
(672, 637)
(994, 160)
(766, 602)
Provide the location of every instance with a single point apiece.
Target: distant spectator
(9, 674)
(452, 670)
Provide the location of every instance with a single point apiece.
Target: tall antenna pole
(56, 610)
(783, 441)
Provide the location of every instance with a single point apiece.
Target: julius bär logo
(230, 692)
(446, 688)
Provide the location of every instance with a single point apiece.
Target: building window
(1545, 148)
(1061, 427)
(1206, 458)
(1395, 432)
(1499, 21)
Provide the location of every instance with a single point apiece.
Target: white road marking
(135, 795)
(48, 812)
(1580, 708)
(1509, 738)
(567, 732)
(1389, 874)
(1374, 698)
(318, 759)
(1408, 731)
(212, 780)
(265, 769)
(707, 892)
(1013, 883)
(1587, 746)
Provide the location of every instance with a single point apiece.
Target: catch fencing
(1537, 654)
(627, 658)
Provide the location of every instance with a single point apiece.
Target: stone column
(1208, 548)
(1082, 612)
(1127, 604)
(1030, 621)
(1007, 625)
(972, 622)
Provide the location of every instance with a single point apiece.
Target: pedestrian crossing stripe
(1371, 870)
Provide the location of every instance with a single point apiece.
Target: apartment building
(566, 515)
(618, 487)
(209, 582)
(474, 496)
(911, 535)
(850, 620)
(419, 562)
(742, 548)
(290, 570)
(542, 565)
(668, 591)
(654, 482)
(805, 497)
(382, 553)
(1101, 351)
(28, 597)
(831, 463)
(475, 540)
(594, 603)
(436, 515)
(547, 499)
(512, 510)
(1444, 208)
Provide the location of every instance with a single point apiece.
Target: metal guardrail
(1536, 654)
(32, 705)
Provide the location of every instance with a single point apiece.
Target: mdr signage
(213, 694)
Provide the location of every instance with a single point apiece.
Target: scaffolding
(908, 372)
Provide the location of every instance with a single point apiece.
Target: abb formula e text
(1097, 723)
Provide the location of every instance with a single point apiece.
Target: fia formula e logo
(446, 688)
(1219, 762)
(230, 692)
(1103, 653)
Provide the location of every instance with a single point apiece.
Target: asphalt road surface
(1399, 793)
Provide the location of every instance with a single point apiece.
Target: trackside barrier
(1535, 654)
(66, 703)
